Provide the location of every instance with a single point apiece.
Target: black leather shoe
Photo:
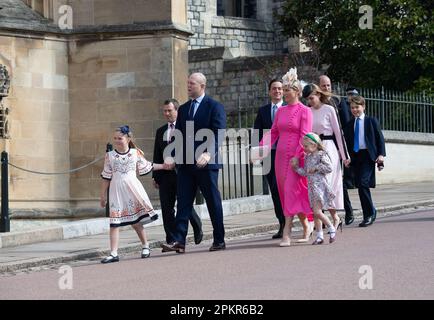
(349, 219)
(166, 250)
(277, 235)
(198, 237)
(366, 222)
(110, 259)
(175, 246)
(216, 247)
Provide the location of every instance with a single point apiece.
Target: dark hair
(273, 81)
(173, 101)
(307, 90)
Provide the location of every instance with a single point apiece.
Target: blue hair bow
(125, 129)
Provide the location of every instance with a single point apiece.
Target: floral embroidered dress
(318, 185)
(129, 202)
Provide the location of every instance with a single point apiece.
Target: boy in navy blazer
(365, 143)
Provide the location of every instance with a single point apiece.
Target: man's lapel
(268, 115)
(201, 109)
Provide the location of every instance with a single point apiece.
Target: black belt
(332, 137)
(323, 137)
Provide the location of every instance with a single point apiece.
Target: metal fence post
(383, 119)
(109, 148)
(4, 220)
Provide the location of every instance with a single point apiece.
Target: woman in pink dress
(326, 125)
(290, 124)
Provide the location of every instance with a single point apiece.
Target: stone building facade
(239, 46)
(116, 64)
(241, 83)
(71, 87)
(252, 33)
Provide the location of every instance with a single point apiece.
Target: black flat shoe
(110, 259)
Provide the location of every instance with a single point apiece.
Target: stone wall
(243, 37)
(71, 88)
(116, 82)
(39, 118)
(243, 82)
(112, 12)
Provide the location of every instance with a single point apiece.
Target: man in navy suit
(264, 121)
(198, 162)
(166, 182)
(365, 142)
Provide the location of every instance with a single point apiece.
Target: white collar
(279, 104)
(199, 99)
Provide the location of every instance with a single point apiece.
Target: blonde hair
(313, 138)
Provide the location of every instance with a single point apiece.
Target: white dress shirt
(170, 131)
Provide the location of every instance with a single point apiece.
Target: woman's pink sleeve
(270, 138)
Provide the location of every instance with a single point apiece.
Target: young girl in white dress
(128, 202)
(317, 165)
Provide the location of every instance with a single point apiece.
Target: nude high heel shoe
(286, 242)
(309, 234)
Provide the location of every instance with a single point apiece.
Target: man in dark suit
(166, 182)
(366, 145)
(344, 116)
(264, 120)
(197, 161)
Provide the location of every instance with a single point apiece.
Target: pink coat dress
(291, 123)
